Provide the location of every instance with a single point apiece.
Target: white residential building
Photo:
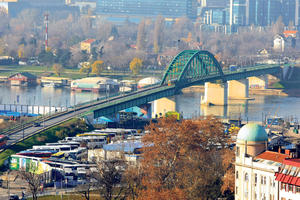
(255, 167)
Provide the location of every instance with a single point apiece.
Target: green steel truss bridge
(188, 68)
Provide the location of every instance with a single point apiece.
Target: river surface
(187, 103)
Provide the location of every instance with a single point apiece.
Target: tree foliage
(97, 67)
(158, 34)
(182, 160)
(141, 36)
(86, 69)
(58, 69)
(278, 27)
(135, 65)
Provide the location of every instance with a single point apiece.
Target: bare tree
(85, 189)
(33, 180)
(109, 179)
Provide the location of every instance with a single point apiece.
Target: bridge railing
(28, 123)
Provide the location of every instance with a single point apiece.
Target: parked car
(36, 124)
(13, 197)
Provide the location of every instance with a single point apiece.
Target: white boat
(52, 85)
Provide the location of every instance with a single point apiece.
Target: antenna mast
(46, 21)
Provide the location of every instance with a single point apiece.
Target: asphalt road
(17, 136)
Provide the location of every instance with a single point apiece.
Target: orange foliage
(181, 161)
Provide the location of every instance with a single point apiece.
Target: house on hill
(22, 79)
(279, 43)
(87, 45)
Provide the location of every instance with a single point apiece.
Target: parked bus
(3, 141)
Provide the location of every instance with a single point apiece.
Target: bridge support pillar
(260, 82)
(215, 94)
(238, 89)
(161, 106)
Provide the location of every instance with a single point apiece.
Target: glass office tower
(151, 8)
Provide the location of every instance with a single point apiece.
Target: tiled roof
(89, 41)
(273, 156)
(292, 162)
(290, 32)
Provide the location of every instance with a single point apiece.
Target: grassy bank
(69, 128)
(73, 73)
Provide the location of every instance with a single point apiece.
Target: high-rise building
(237, 12)
(148, 8)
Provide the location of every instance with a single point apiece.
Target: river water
(188, 103)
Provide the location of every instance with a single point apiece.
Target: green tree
(58, 69)
(158, 33)
(46, 57)
(63, 57)
(135, 65)
(97, 67)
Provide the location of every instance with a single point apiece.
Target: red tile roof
(287, 179)
(292, 162)
(290, 32)
(89, 41)
(273, 156)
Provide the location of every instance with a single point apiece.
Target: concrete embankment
(252, 91)
(277, 92)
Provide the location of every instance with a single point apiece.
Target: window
(237, 151)
(283, 186)
(255, 179)
(263, 180)
(297, 189)
(236, 190)
(246, 177)
(290, 188)
(237, 175)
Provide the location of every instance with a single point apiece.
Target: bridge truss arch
(191, 66)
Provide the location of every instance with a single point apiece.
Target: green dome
(253, 133)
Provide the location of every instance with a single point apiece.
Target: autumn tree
(21, 51)
(86, 69)
(97, 67)
(158, 34)
(135, 65)
(228, 159)
(140, 43)
(58, 69)
(182, 160)
(33, 180)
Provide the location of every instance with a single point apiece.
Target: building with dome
(255, 166)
